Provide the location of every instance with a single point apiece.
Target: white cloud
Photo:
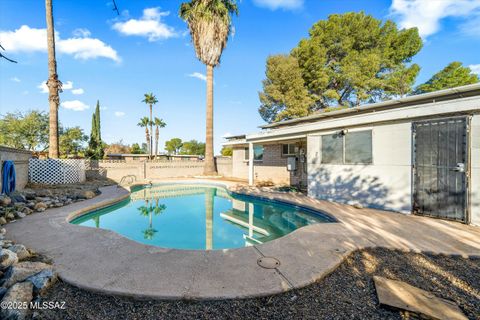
(15, 79)
(81, 33)
(227, 134)
(475, 68)
(75, 105)
(279, 4)
(198, 75)
(426, 15)
(119, 113)
(150, 25)
(26, 39)
(78, 91)
(67, 85)
(43, 87)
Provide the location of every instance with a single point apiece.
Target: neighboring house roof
(456, 101)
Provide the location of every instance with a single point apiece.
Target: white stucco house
(419, 154)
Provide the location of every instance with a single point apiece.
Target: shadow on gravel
(348, 292)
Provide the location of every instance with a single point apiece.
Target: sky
(116, 59)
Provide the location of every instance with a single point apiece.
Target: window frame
(288, 148)
(343, 162)
(247, 151)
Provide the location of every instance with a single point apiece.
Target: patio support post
(250, 163)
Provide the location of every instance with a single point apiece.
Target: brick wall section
(127, 171)
(273, 167)
(20, 159)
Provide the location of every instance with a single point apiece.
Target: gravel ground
(347, 293)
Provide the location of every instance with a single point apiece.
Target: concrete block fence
(129, 172)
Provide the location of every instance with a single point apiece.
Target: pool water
(199, 216)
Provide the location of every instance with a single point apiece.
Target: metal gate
(440, 158)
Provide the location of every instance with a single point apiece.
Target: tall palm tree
(150, 100)
(210, 24)
(158, 124)
(144, 123)
(54, 85)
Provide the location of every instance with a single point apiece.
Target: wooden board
(403, 296)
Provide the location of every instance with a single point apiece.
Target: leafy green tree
(193, 147)
(150, 100)
(158, 124)
(136, 149)
(95, 144)
(453, 75)
(144, 123)
(347, 60)
(72, 141)
(173, 145)
(226, 151)
(210, 24)
(28, 131)
(284, 93)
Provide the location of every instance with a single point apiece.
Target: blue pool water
(199, 216)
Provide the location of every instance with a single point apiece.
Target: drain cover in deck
(268, 262)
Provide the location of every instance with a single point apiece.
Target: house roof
(437, 96)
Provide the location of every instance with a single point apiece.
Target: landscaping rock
(89, 194)
(7, 258)
(2, 292)
(21, 271)
(19, 215)
(17, 294)
(40, 206)
(27, 210)
(43, 280)
(5, 200)
(31, 204)
(10, 216)
(21, 251)
(17, 197)
(3, 221)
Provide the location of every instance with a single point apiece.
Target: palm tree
(54, 85)
(147, 211)
(150, 100)
(144, 123)
(210, 24)
(158, 124)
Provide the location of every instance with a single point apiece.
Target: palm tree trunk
(54, 86)
(209, 167)
(147, 137)
(151, 133)
(157, 135)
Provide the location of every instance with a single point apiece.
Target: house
(419, 154)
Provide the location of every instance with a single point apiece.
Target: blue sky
(116, 59)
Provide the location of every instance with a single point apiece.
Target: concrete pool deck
(106, 262)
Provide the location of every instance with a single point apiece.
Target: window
(288, 149)
(350, 148)
(358, 147)
(257, 153)
(332, 149)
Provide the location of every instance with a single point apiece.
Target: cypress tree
(95, 145)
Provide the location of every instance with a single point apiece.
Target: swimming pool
(199, 216)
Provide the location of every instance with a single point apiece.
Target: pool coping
(306, 255)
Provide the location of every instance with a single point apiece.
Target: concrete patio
(106, 262)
